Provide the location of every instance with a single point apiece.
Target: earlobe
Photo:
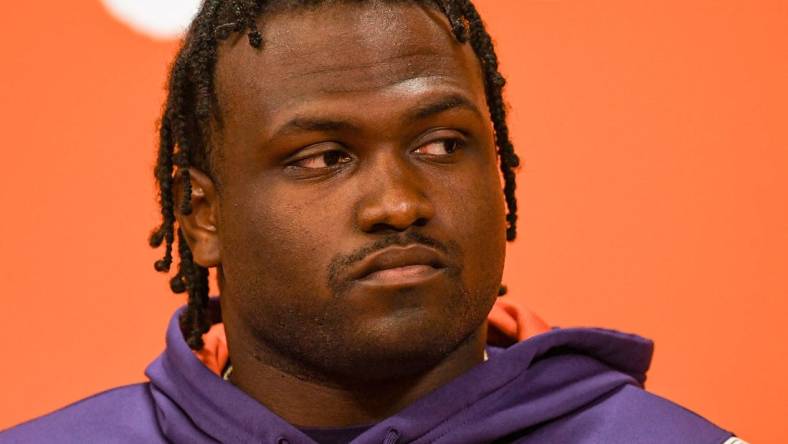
(200, 225)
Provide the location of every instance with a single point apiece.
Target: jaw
(308, 399)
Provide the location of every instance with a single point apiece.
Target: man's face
(360, 212)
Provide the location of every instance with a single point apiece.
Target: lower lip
(408, 275)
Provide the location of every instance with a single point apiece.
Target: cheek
(477, 216)
(275, 246)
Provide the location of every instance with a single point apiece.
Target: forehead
(338, 51)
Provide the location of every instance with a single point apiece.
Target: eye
(326, 159)
(443, 147)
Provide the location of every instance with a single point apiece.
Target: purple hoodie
(564, 386)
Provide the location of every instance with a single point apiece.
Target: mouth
(407, 275)
(398, 266)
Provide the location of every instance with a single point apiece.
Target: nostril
(420, 222)
(383, 228)
(386, 227)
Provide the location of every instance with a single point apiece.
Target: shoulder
(124, 414)
(655, 416)
(630, 415)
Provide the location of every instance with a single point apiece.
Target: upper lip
(398, 256)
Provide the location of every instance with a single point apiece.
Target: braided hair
(192, 104)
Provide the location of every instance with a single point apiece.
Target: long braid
(494, 82)
(194, 322)
(191, 103)
(163, 175)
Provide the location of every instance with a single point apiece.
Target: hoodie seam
(467, 406)
(503, 386)
(518, 373)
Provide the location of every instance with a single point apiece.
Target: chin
(383, 359)
(406, 342)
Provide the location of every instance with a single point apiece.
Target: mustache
(341, 262)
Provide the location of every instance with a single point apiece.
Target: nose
(394, 198)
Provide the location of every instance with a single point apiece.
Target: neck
(309, 401)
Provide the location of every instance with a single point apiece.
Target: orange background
(653, 196)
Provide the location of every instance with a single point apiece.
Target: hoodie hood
(527, 384)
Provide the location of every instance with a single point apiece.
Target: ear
(199, 227)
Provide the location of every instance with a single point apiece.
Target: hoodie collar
(549, 373)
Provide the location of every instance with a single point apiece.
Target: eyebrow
(421, 112)
(447, 103)
(314, 124)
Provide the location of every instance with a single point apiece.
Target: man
(340, 163)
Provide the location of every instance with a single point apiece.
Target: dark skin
(354, 211)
